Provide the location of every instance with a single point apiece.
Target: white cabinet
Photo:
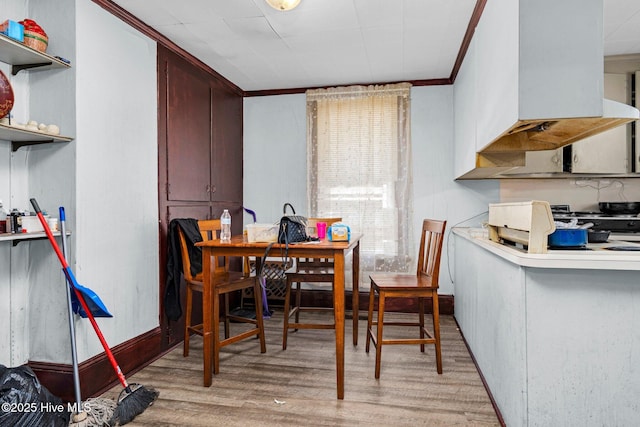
(474, 102)
(526, 326)
(480, 90)
(538, 61)
(527, 68)
(464, 101)
(497, 70)
(540, 162)
(608, 152)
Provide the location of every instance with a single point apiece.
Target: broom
(134, 398)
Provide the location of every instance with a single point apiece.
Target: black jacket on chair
(189, 227)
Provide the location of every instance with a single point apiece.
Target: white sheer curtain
(359, 168)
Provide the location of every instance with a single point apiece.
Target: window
(359, 168)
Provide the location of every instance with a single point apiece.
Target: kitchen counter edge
(557, 259)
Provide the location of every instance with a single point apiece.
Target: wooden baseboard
(323, 298)
(96, 374)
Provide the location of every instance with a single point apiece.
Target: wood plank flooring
(297, 387)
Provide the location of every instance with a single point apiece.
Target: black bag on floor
(26, 402)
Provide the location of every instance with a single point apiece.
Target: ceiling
(337, 42)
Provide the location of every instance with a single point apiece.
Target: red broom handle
(52, 239)
(107, 350)
(70, 279)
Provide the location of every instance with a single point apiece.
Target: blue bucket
(568, 237)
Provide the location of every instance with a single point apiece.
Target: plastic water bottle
(225, 220)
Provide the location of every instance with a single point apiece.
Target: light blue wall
(275, 163)
(117, 172)
(275, 155)
(106, 178)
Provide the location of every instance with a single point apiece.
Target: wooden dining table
(239, 246)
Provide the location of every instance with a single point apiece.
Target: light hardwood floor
(297, 387)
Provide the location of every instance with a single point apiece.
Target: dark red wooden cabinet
(188, 130)
(199, 155)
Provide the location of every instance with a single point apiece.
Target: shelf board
(21, 237)
(22, 137)
(23, 57)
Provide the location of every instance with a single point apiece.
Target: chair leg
(298, 301)
(287, 308)
(225, 315)
(436, 331)
(372, 296)
(379, 332)
(187, 321)
(355, 308)
(421, 320)
(257, 298)
(216, 332)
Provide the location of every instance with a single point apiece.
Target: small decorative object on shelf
(52, 129)
(6, 95)
(12, 29)
(31, 126)
(34, 35)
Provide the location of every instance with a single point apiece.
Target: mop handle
(72, 329)
(72, 282)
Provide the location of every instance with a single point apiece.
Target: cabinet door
(188, 133)
(544, 161)
(226, 165)
(607, 152)
(464, 102)
(193, 122)
(636, 125)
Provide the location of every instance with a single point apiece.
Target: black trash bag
(25, 402)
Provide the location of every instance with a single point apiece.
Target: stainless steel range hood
(548, 134)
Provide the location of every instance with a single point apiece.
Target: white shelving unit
(21, 137)
(22, 57)
(19, 237)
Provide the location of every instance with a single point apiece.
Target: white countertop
(597, 258)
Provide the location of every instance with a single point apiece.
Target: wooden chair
(226, 282)
(421, 285)
(307, 270)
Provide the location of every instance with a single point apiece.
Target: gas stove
(600, 220)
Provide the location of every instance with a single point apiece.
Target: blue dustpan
(92, 300)
(97, 307)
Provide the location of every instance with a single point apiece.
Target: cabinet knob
(207, 188)
(575, 158)
(213, 189)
